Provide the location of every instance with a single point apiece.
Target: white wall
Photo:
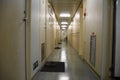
(42, 29)
(52, 31)
(35, 34)
(94, 23)
(12, 40)
(42, 21)
(76, 31)
(49, 30)
(96, 20)
(69, 34)
(49, 35)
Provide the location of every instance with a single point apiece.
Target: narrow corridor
(75, 68)
(31, 29)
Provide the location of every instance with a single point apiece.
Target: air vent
(35, 65)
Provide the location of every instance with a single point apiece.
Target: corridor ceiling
(65, 6)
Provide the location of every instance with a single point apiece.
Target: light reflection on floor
(63, 77)
(63, 56)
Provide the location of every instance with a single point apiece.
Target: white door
(12, 40)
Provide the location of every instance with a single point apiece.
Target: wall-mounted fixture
(85, 13)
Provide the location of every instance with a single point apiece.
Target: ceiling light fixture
(64, 23)
(64, 15)
(63, 26)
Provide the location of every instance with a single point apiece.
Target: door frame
(27, 17)
(25, 21)
(113, 77)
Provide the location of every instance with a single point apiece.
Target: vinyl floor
(75, 68)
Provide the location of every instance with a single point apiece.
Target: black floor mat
(51, 66)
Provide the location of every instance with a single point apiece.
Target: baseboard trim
(96, 74)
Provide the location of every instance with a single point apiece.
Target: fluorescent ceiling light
(64, 23)
(63, 26)
(64, 15)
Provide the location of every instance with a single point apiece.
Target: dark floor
(75, 68)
